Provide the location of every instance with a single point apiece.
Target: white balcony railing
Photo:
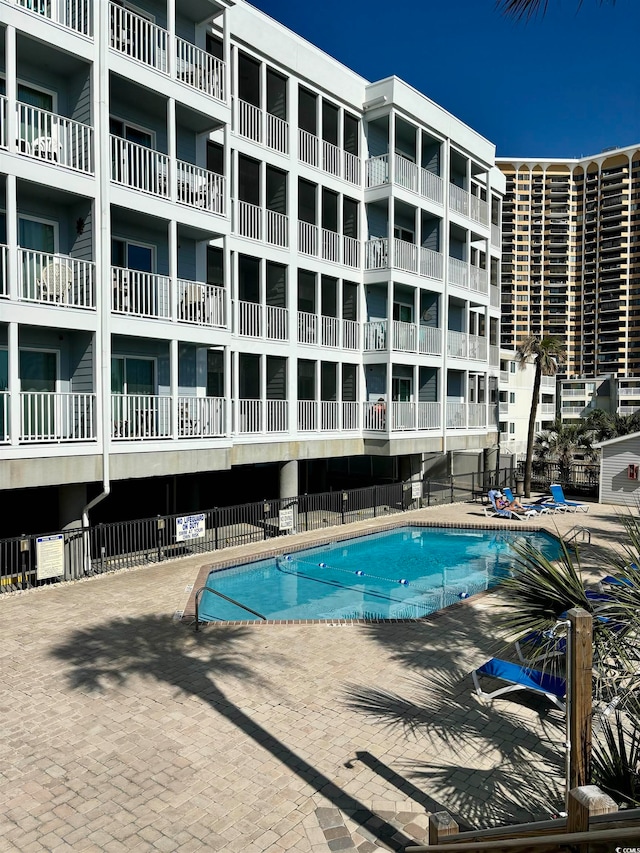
(307, 415)
(407, 173)
(54, 279)
(277, 323)
(405, 336)
(307, 328)
(431, 263)
(430, 340)
(350, 415)
(248, 416)
(249, 121)
(494, 296)
(375, 335)
(458, 272)
(458, 199)
(198, 187)
(377, 171)
(330, 245)
(277, 134)
(547, 409)
(140, 416)
(477, 348)
(403, 415)
(307, 238)
(405, 255)
(350, 334)
(329, 415)
(142, 294)
(351, 168)
(139, 38)
(376, 255)
(331, 158)
(494, 355)
(250, 323)
(479, 210)
(308, 148)
(4, 417)
(477, 414)
(4, 106)
(428, 416)
(431, 186)
(351, 252)
(374, 415)
(457, 344)
(456, 415)
(55, 139)
(72, 14)
(202, 304)
(277, 412)
(4, 281)
(277, 229)
(139, 168)
(200, 69)
(496, 236)
(201, 417)
(330, 331)
(478, 279)
(56, 417)
(249, 220)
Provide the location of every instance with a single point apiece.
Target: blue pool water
(405, 573)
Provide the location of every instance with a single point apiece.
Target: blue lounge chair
(493, 511)
(520, 678)
(557, 493)
(538, 508)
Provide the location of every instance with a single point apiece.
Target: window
(512, 429)
(132, 375)
(512, 396)
(512, 366)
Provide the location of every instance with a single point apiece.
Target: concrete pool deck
(124, 729)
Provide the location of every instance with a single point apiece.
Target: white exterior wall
(615, 485)
(132, 318)
(519, 382)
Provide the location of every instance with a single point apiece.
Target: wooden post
(583, 804)
(579, 697)
(441, 825)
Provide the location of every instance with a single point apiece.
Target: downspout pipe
(103, 238)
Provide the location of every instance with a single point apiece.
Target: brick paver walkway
(122, 729)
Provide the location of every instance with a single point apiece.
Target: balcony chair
(56, 280)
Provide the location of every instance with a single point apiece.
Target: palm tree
(560, 443)
(606, 425)
(545, 353)
(527, 9)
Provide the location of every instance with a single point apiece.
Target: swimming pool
(403, 573)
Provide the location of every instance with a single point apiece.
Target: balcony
(463, 345)
(263, 321)
(54, 418)
(257, 125)
(53, 279)
(148, 171)
(407, 175)
(140, 294)
(140, 39)
(201, 417)
(258, 223)
(52, 138)
(329, 158)
(329, 245)
(72, 14)
(201, 304)
(468, 205)
(140, 417)
(406, 256)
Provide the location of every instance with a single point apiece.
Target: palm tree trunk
(537, 381)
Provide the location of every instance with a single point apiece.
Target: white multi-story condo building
(514, 403)
(222, 248)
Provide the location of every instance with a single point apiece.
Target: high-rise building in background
(571, 269)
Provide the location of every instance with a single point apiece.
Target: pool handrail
(226, 598)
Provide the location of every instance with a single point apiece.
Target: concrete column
(11, 204)
(289, 479)
(10, 65)
(71, 501)
(173, 386)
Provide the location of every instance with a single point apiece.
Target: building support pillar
(289, 480)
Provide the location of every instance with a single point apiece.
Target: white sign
(416, 491)
(285, 519)
(49, 556)
(190, 527)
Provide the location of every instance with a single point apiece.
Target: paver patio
(124, 729)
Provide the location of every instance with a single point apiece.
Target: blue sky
(563, 85)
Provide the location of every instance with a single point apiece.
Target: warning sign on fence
(49, 556)
(190, 527)
(285, 519)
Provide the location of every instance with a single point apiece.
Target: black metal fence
(36, 560)
(579, 478)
